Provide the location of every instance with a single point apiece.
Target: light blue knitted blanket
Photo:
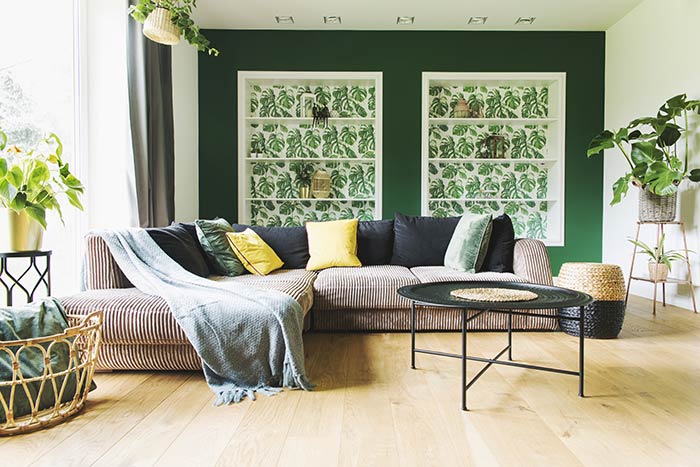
(249, 339)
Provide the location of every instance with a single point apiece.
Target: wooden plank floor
(643, 407)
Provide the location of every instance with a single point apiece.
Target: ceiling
(558, 15)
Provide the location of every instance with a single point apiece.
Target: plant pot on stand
(19, 232)
(658, 272)
(657, 208)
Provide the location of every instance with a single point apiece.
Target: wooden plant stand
(669, 280)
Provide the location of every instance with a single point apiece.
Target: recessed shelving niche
(524, 177)
(272, 118)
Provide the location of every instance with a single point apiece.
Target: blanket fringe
(294, 379)
(233, 396)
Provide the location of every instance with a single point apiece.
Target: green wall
(402, 57)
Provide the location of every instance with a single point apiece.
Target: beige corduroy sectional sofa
(141, 333)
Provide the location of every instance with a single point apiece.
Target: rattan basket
(606, 284)
(83, 341)
(159, 27)
(656, 208)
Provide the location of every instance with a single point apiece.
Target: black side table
(10, 281)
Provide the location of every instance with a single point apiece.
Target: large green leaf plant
(650, 146)
(31, 180)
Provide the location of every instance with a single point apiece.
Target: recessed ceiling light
(405, 19)
(525, 20)
(332, 19)
(284, 19)
(477, 19)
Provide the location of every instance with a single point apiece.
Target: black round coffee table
(438, 294)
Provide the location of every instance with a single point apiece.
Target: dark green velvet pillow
(469, 243)
(212, 237)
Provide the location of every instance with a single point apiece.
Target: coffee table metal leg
(413, 335)
(464, 359)
(581, 322)
(510, 335)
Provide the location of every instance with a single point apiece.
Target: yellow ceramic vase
(19, 232)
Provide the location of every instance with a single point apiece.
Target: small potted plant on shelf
(31, 181)
(650, 146)
(164, 21)
(660, 260)
(304, 172)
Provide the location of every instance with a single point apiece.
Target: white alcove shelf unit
(494, 143)
(278, 139)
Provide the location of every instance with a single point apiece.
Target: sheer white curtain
(63, 70)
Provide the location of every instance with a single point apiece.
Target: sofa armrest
(531, 261)
(102, 271)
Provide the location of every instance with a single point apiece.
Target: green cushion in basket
(212, 237)
(469, 243)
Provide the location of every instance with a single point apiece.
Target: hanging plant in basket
(164, 21)
(657, 152)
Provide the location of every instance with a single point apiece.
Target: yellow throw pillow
(256, 255)
(332, 243)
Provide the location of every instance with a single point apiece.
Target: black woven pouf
(604, 319)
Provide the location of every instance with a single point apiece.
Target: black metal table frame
(509, 348)
(16, 281)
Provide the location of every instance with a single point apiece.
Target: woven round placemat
(494, 295)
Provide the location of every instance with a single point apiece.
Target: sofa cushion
(177, 243)
(212, 237)
(499, 256)
(256, 255)
(332, 244)
(375, 242)
(133, 317)
(469, 243)
(368, 287)
(444, 274)
(421, 241)
(290, 243)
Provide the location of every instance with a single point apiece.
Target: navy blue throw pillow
(375, 242)
(499, 256)
(421, 241)
(177, 243)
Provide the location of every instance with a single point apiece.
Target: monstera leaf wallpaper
(488, 187)
(280, 100)
(273, 189)
(495, 101)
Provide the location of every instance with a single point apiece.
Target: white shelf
(490, 121)
(548, 210)
(369, 200)
(309, 120)
(493, 161)
(319, 159)
(481, 200)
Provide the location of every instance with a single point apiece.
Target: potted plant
(660, 260)
(304, 172)
(164, 21)
(650, 145)
(31, 181)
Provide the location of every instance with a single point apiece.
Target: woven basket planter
(50, 397)
(606, 284)
(655, 208)
(159, 27)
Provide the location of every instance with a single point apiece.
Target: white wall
(186, 119)
(652, 54)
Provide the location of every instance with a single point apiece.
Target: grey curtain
(151, 113)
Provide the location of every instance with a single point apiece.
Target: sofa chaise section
(139, 331)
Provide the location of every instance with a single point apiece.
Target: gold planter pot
(304, 192)
(19, 232)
